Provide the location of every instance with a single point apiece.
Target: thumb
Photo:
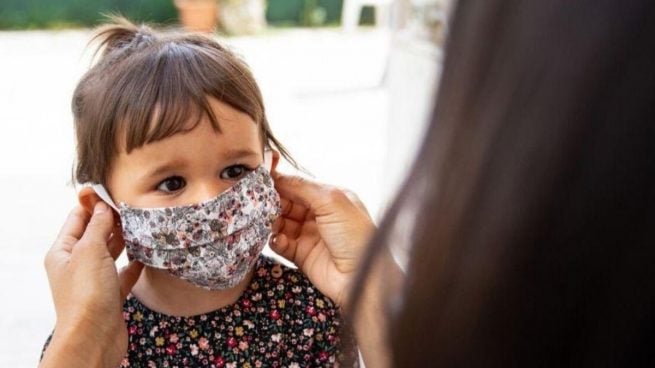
(98, 230)
(128, 276)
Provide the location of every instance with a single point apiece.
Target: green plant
(313, 14)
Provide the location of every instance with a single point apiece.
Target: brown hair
(149, 85)
(531, 203)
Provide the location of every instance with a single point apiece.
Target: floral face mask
(212, 244)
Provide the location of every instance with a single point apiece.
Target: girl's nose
(208, 189)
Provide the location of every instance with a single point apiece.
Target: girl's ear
(275, 159)
(88, 198)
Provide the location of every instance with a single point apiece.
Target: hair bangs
(165, 98)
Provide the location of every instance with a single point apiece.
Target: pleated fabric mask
(212, 244)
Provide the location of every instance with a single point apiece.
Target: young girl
(172, 132)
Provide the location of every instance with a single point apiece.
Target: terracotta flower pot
(239, 17)
(197, 15)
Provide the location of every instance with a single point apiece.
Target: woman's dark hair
(149, 85)
(533, 242)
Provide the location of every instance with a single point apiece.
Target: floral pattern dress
(280, 320)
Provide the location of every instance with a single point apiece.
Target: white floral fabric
(212, 244)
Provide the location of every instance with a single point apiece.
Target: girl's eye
(234, 172)
(172, 184)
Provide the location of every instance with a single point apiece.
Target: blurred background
(348, 85)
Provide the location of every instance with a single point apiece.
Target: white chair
(352, 11)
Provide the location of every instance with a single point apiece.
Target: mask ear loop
(104, 195)
(268, 160)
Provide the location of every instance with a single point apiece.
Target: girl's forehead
(200, 150)
(226, 125)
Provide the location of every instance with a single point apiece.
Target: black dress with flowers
(280, 320)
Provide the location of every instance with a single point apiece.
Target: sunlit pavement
(326, 102)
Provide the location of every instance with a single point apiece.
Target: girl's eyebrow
(239, 153)
(231, 154)
(167, 167)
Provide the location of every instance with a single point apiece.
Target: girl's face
(188, 167)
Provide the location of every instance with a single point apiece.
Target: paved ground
(325, 100)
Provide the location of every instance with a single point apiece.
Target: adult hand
(88, 291)
(323, 230)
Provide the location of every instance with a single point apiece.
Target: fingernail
(100, 208)
(274, 239)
